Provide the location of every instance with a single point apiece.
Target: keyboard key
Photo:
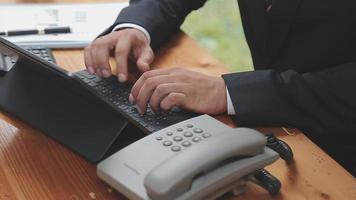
(179, 129)
(159, 138)
(197, 130)
(187, 134)
(189, 126)
(169, 133)
(186, 144)
(91, 83)
(175, 109)
(97, 79)
(196, 139)
(176, 148)
(144, 124)
(206, 135)
(177, 138)
(167, 143)
(122, 106)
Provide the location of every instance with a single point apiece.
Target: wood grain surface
(33, 166)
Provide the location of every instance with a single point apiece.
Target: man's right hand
(123, 45)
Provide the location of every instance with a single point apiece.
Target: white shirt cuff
(230, 106)
(135, 26)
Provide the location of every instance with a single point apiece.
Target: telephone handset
(195, 159)
(162, 182)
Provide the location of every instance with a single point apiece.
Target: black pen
(39, 31)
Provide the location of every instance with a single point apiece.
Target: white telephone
(200, 158)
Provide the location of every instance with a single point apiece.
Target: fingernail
(91, 70)
(131, 99)
(105, 72)
(122, 78)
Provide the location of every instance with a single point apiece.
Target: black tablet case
(63, 109)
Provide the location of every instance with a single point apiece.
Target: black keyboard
(44, 53)
(7, 62)
(116, 94)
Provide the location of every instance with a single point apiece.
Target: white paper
(87, 21)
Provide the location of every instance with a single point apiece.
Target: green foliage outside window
(217, 26)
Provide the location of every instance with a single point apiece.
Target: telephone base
(236, 189)
(269, 183)
(239, 188)
(187, 161)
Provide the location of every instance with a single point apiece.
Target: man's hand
(165, 88)
(123, 44)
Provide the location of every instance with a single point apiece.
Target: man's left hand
(164, 88)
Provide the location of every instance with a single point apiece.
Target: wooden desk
(32, 166)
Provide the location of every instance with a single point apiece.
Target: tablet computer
(48, 98)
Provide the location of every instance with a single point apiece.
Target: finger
(145, 59)
(122, 50)
(102, 60)
(98, 71)
(149, 87)
(173, 99)
(149, 74)
(87, 59)
(100, 55)
(163, 90)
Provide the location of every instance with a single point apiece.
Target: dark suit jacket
(304, 54)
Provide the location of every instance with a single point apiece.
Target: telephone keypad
(183, 137)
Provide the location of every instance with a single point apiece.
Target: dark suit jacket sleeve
(323, 101)
(161, 18)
